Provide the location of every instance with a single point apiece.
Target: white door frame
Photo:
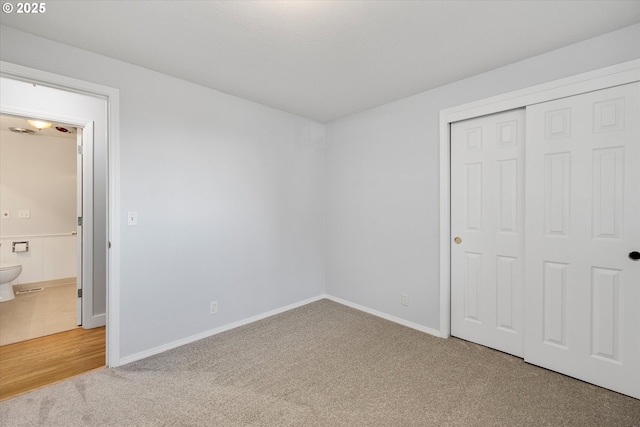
(111, 95)
(615, 75)
(85, 230)
(80, 199)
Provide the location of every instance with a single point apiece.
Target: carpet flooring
(323, 364)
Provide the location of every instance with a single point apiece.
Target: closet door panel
(582, 292)
(487, 175)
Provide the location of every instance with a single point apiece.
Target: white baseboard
(385, 316)
(162, 348)
(45, 284)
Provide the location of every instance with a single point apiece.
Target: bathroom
(38, 228)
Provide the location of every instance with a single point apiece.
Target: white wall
(383, 181)
(49, 257)
(38, 173)
(230, 196)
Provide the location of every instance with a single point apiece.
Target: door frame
(615, 75)
(79, 211)
(85, 227)
(111, 97)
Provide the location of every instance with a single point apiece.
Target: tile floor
(37, 314)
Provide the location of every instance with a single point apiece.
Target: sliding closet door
(487, 224)
(582, 291)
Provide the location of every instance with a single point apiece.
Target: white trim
(615, 75)
(385, 316)
(36, 236)
(69, 84)
(193, 338)
(112, 97)
(206, 334)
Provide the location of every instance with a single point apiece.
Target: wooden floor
(33, 364)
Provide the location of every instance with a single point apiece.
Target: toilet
(8, 273)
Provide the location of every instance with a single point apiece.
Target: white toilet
(8, 273)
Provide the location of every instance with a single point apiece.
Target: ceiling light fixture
(22, 130)
(39, 124)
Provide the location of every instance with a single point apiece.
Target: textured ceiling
(324, 59)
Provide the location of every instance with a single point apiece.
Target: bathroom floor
(37, 314)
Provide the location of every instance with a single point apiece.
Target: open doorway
(92, 110)
(88, 113)
(40, 235)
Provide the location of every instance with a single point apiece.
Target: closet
(545, 228)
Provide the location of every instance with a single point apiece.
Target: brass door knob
(457, 240)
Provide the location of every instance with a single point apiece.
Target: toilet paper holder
(20, 247)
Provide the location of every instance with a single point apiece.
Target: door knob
(634, 256)
(459, 240)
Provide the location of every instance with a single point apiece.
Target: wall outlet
(213, 307)
(404, 299)
(24, 214)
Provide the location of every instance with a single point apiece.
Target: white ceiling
(324, 59)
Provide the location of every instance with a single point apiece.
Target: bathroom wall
(38, 174)
(48, 258)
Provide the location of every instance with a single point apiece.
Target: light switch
(6, 214)
(24, 214)
(132, 218)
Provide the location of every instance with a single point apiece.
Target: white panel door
(487, 219)
(582, 296)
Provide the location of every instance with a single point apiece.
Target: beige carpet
(324, 365)
(38, 314)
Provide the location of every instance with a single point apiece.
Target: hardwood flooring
(33, 364)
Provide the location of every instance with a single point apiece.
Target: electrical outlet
(404, 299)
(24, 214)
(213, 307)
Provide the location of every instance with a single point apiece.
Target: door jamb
(112, 97)
(626, 72)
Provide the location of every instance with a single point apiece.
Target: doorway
(40, 200)
(35, 93)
